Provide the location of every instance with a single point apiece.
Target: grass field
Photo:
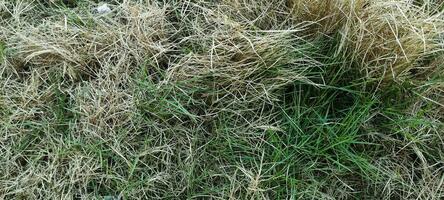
(222, 99)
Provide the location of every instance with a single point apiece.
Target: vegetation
(222, 99)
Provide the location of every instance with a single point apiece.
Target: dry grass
(326, 17)
(392, 39)
(229, 99)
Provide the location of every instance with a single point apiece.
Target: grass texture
(222, 99)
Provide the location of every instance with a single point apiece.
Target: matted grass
(223, 99)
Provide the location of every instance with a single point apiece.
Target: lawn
(222, 99)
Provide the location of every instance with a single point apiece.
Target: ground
(221, 99)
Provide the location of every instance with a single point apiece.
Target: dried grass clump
(245, 66)
(268, 15)
(393, 39)
(226, 62)
(79, 41)
(390, 39)
(325, 16)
